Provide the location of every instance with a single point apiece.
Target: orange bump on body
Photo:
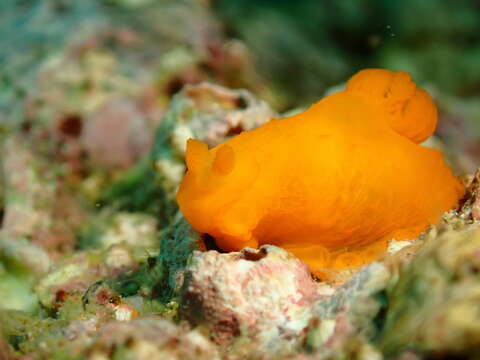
(332, 184)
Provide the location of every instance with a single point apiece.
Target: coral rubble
(261, 297)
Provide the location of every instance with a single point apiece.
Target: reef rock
(260, 297)
(73, 276)
(433, 308)
(343, 324)
(120, 148)
(470, 205)
(150, 339)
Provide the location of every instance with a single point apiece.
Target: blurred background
(67, 58)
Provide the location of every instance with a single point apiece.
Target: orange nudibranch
(332, 184)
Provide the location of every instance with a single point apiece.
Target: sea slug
(332, 184)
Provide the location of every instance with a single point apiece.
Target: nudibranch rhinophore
(332, 184)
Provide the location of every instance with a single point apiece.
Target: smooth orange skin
(331, 184)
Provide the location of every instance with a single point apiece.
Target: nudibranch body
(332, 184)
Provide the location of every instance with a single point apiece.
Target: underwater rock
(29, 256)
(433, 308)
(135, 230)
(73, 276)
(260, 297)
(150, 339)
(351, 348)
(92, 75)
(121, 148)
(469, 208)
(100, 335)
(29, 190)
(21, 264)
(365, 282)
(37, 203)
(342, 324)
(220, 113)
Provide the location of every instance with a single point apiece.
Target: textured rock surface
(37, 205)
(364, 283)
(342, 325)
(434, 306)
(76, 275)
(150, 339)
(469, 208)
(261, 297)
(120, 148)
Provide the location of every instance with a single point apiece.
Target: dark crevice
(254, 255)
(235, 130)
(210, 243)
(241, 102)
(71, 125)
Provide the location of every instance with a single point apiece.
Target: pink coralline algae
(262, 295)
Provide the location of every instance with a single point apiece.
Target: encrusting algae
(332, 184)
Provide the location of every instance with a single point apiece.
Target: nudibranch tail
(409, 111)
